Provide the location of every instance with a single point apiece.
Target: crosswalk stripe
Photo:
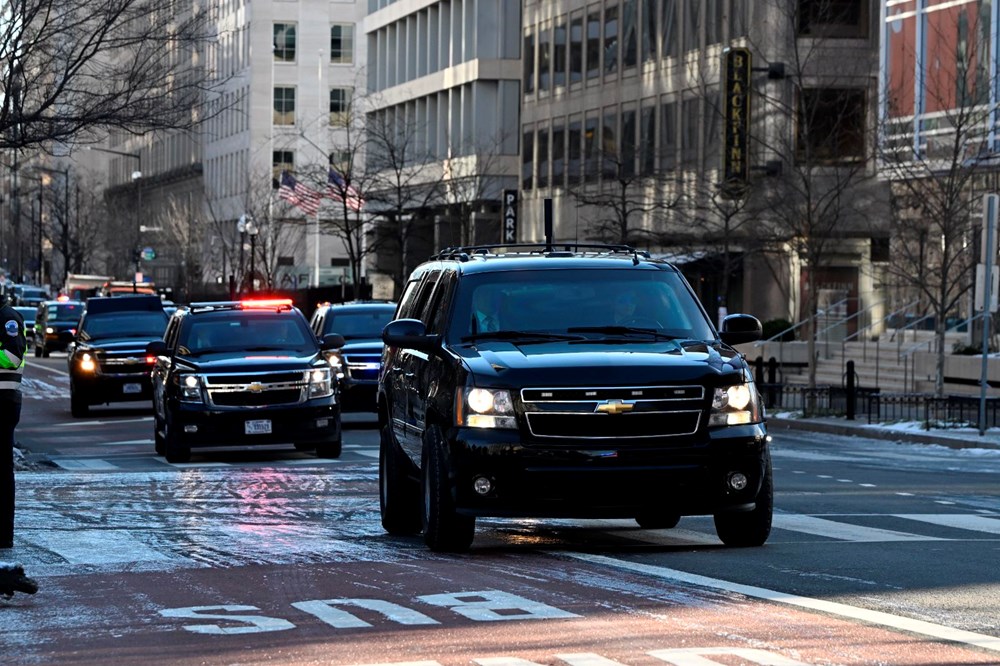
(961, 521)
(842, 531)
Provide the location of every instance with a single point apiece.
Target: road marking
(971, 522)
(77, 424)
(57, 371)
(842, 531)
(935, 631)
(94, 547)
(86, 465)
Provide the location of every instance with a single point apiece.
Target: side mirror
(331, 341)
(156, 348)
(740, 328)
(410, 334)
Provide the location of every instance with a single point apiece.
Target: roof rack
(467, 252)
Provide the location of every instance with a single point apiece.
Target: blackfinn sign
(508, 231)
(736, 103)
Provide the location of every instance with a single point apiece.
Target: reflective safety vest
(13, 347)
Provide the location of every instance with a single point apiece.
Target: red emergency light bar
(266, 303)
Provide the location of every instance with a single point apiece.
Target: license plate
(132, 388)
(260, 427)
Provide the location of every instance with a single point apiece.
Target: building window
(281, 160)
(690, 126)
(340, 103)
(609, 144)
(610, 45)
(831, 126)
(668, 136)
(558, 156)
(342, 43)
(630, 42)
(628, 143)
(671, 42)
(575, 150)
(559, 55)
(591, 149)
(544, 61)
(833, 18)
(340, 160)
(284, 42)
(542, 150)
(529, 64)
(693, 12)
(648, 30)
(527, 159)
(284, 105)
(576, 50)
(593, 45)
(712, 119)
(647, 144)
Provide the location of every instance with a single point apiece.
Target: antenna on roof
(547, 217)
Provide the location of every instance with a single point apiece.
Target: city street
(881, 553)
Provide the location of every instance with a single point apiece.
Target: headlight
(191, 388)
(50, 330)
(485, 408)
(336, 363)
(319, 382)
(87, 362)
(735, 405)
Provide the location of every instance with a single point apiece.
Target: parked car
(358, 362)
(56, 323)
(108, 361)
(604, 391)
(241, 373)
(29, 322)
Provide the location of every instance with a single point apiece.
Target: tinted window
(124, 325)
(247, 332)
(65, 312)
(554, 301)
(358, 323)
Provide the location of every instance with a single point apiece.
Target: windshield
(33, 292)
(247, 331)
(359, 324)
(27, 313)
(124, 324)
(596, 303)
(65, 312)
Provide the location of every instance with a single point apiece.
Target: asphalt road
(881, 553)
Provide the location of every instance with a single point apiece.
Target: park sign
(736, 105)
(508, 231)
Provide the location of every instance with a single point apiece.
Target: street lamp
(252, 230)
(136, 178)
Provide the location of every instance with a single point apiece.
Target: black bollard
(852, 391)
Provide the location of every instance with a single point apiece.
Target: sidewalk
(910, 431)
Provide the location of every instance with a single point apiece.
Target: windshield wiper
(623, 330)
(520, 335)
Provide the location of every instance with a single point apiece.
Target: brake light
(266, 303)
(150, 360)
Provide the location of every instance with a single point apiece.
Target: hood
(362, 346)
(251, 362)
(587, 363)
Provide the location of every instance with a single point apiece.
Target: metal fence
(950, 411)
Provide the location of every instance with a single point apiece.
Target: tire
(45, 351)
(399, 496)
(78, 407)
(173, 449)
(329, 449)
(444, 529)
(655, 519)
(749, 528)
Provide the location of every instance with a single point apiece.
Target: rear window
(135, 324)
(65, 312)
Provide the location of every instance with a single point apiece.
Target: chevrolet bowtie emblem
(614, 407)
(256, 387)
(131, 360)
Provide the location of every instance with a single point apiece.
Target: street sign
(508, 232)
(981, 283)
(148, 254)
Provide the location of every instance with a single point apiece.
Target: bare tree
(182, 233)
(469, 182)
(70, 66)
(936, 181)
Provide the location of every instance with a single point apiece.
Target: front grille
(620, 413)
(363, 367)
(257, 389)
(132, 363)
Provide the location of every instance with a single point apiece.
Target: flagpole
(319, 90)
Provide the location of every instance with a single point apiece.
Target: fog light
(190, 428)
(737, 480)
(482, 485)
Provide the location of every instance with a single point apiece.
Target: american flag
(338, 188)
(298, 194)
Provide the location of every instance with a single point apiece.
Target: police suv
(602, 390)
(239, 373)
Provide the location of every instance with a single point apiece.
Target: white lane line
(78, 464)
(935, 631)
(961, 521)
(57, 371)
(842, 531)
(77, 424)
(98, 547)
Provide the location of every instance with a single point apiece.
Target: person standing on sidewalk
(13, 344)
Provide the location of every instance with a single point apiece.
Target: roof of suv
(490, 258)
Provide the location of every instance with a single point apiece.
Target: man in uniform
(12, 352)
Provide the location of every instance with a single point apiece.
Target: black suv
(55, 325)
(239, 373)
(108, 361)
(586, 381)
(358, 362)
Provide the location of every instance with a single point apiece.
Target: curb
(875, 433)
